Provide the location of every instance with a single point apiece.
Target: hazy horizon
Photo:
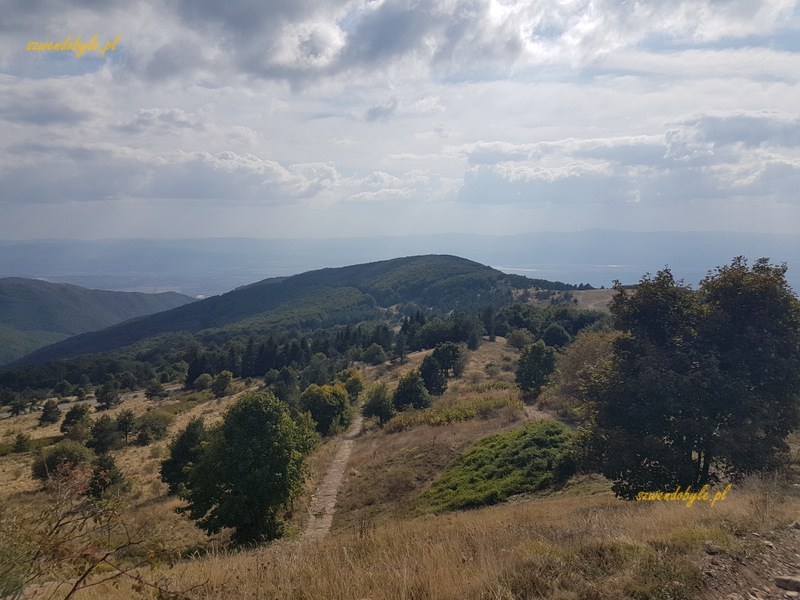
(210, 266)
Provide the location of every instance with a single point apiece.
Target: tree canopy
(250, 470)
(411, 392)
(701, 385)
(184, 451)
(329, 406)
(535, 364)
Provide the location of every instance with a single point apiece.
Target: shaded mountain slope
(34, 313)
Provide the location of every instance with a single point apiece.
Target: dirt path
(323, 502)
(535, 414)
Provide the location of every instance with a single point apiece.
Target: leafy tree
(432, 376)
(155, 390)
(22, 443)
(153, 425)
(285, 384)
(401, 347)
(556, 336)
(50, 413)
(519, 338)
(375, 355)
(411, 391)
(568, 388)
(185, 451)
(60, 458)
(6, 396)
(329, 406)
(108, 395)
(18, 405)
(106, 478)
(353, 382)
(104, 435)
(77, 423)
(127, 380)
(379, 403)
(318, 370)
(250, 470)
(535, 364)
(126, 423)
(473, 339)
(222, 384)
(700, 385)
(202, 382)
(451, 357)
(63, 388)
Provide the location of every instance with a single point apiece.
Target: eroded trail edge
(323, 502)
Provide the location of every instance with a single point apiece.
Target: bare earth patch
(323, 503)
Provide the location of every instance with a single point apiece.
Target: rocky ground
(771, 573)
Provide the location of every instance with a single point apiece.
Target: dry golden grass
(564, 547)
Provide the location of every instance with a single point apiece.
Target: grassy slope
(577, 543)
(34, 313)
(312, 299)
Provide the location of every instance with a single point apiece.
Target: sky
(338, 118)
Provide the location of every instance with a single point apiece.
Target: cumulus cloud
(706, 157)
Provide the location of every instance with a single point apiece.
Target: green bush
(104, 435)
(375, 355)
(411, 392)
(250, 470)
(153, 425)
(222, 384)
(529, 459)
(77, 424)
(379, 403)
(202, 382)
(50, 413)
(22, 443)
(106, 478)
(66, 454)
(329, 406)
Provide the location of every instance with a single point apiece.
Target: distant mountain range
(214, 266)
(36, 313)
(313, 299)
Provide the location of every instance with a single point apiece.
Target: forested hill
(312, 299)
(34, 313)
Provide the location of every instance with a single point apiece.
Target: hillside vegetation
(314, 299)
(35, 313)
